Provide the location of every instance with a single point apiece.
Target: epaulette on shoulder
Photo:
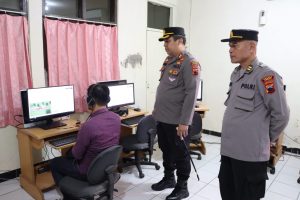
(260, 64)
(195, 66)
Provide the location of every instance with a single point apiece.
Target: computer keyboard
(132, 121)
(64, 140)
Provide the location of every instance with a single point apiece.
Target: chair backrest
(96, 171)
(196, 124)
(145, 125)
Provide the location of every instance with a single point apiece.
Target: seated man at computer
(100, 131)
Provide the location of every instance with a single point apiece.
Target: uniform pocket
(256, 185)
(245, 100)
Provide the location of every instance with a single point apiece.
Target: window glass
(100, 10)
(65, 8)
(158, 16)
(11, 5)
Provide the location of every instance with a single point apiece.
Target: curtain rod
(79, 20)
(13, 12)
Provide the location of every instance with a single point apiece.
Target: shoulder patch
(195, 67)
(269, 84)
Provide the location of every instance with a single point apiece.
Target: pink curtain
(81, 54)
(14, 66)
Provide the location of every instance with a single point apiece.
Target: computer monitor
(121, 95)
(113, 82)
(46, 103)
(200, 91)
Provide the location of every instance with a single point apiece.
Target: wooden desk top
(41, 134)
(132, 113)
(201, 107)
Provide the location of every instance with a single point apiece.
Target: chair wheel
(298, 181)
(272, 171)
(157, 167)
(199, 158)
(141, 175)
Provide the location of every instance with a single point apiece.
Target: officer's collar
(175, 58)
(250, 68)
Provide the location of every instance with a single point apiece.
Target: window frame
(81, 13)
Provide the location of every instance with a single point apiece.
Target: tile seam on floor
(277, 174)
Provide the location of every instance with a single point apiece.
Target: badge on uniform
(249, 69)
(195, 67)
(269, 84)
(173, 72)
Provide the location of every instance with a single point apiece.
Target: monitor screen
(121, 95)
(200, 91)
(47, 103)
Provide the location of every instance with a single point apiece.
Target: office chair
(101, 177)
(142, 141)
(195, 134)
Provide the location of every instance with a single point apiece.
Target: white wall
(132, 27)
(279, 47)
(9, 151)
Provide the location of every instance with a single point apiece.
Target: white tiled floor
(280, 186)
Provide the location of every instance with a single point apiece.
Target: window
(66, 8)
(92, 10)
(100, 10)
(13, 5)
(158, 16)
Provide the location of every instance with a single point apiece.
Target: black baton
(190, 158)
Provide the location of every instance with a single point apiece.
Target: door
(155, 57)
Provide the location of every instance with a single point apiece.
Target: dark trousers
(65, 166)
(175, 155)
(241, 180)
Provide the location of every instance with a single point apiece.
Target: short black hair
(177, 37)
(99, 93)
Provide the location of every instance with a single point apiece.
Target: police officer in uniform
(256, 114)
(173, 110)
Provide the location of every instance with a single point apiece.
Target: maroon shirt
(101, 131)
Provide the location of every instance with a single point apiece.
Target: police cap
(170, 31)
(242, 34)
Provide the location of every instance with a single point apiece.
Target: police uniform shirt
(177, 91)
(256, 113)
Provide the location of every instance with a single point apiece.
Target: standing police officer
(256, 114)
(173, 110)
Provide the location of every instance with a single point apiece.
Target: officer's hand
(182, 130)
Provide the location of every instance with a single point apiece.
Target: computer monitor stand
(51, 124)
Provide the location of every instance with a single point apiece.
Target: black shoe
(178, 193)
(164, 184)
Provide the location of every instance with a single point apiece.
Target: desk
(200, 108)
(36, 138)
(275, 153)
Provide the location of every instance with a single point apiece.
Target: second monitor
(121, 95)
